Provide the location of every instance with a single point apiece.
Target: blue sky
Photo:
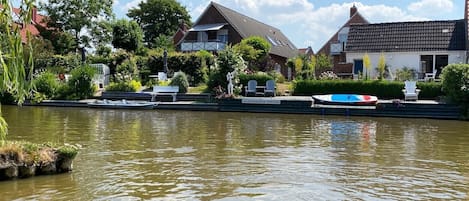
(313, 22)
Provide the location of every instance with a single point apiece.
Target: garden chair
(269, 89)
(251, 88)
(410, 90)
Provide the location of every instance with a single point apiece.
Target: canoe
(124, 104)
(345, 99)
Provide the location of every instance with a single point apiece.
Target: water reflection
(167, 155)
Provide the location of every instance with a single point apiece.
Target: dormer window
(343, 35)
(272, 41)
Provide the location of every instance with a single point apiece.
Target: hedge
(381, 89)
(260, 78)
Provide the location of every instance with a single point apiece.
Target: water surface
(177, 155)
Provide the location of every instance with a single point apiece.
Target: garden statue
(229, 78)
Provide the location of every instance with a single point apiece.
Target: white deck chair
(251, 88)
(269, 89)
(410, 91)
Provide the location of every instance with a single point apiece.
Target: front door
(357, 67)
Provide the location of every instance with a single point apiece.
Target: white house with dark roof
(425, 46)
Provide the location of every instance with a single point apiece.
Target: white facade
(411, 60)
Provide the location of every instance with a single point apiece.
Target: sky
(313, 22)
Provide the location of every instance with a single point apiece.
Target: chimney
(354, 10)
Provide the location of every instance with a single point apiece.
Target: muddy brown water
(179, 155)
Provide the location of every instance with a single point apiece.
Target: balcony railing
(337, 48)
(196, 46)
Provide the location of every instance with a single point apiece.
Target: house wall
(398, 60)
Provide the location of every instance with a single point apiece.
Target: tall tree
(159, 18)
(78, 17)
(127, 35)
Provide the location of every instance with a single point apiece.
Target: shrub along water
(456, 85)
(382, 89)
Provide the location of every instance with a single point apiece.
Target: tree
(254, 51)
(127, 35)
(323, 62)
(16, 70)
(367, 64)
(159, 18)
(77, 17)
(259, 44)
(381, 66)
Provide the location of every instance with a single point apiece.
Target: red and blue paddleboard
(345, 99)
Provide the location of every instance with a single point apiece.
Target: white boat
(345, 99)
(122, 104)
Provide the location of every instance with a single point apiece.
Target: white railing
(337, 48)
(196, 46)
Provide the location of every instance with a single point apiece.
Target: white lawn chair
(251, 88)
(269, 89)
(410, 90)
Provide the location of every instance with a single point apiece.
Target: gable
(247, 27)
(357, 18)
(407, 36)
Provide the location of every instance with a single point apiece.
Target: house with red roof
(37, 21)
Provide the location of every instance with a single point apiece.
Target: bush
(328, 75)
(180, 79)
(46, 84)
(382, 89)
(228, 61)
(132, 86)
(80, 84)
(455, 78)
(260, 77)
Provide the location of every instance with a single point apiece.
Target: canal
(179, 155)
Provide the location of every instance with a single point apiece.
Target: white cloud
(431, 7)
(131, 4)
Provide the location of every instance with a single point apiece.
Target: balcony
(337, 48)
(196, 46)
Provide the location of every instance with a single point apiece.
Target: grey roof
(407, 36)
(247, 27)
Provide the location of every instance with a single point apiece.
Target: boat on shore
(345, 99)
(121, 104)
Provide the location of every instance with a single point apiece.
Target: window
(272, 41)
(222, 36)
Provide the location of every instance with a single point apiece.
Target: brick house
(335, 46)
(219, 26)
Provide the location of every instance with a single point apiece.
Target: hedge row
(381, 89)
(260, 78)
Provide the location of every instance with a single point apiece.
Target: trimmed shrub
(455, 79)
(180, 79)
(132, 86)
(382, 89)
(260, 77)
